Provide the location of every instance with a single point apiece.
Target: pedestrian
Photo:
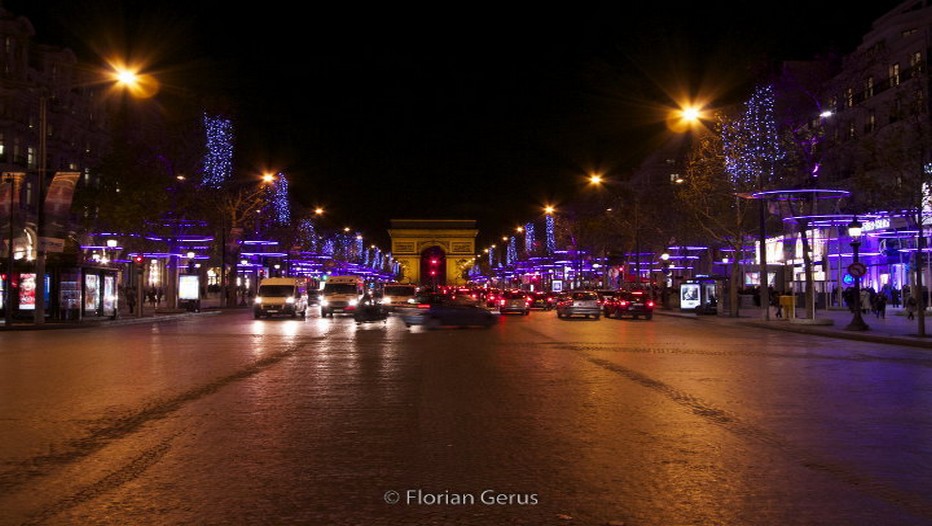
(910, 308)
(131, 299)
(776, 305)
(880, 306)
(158, 297)
(865, 301)
(150, 296)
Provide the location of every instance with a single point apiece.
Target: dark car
(313, 297)
(579, 303)
(606, 295)
(437, 310)
(515, 301)
(542, 300)
(635, 304)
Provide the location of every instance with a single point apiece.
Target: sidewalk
(895, 328)
(209, 306)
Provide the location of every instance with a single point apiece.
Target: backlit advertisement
(27, 291)
(689, 295)
(188, 287)
(110, 296)
(91, 292)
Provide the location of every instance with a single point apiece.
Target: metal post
(223, 260)
(764, 290)
(857, 323)
(8, 318)
(39, 313)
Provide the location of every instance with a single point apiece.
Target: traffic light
(138, 261)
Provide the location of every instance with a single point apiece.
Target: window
(851, 130)
(894, 74)
(870, 123)
(869, 87)
(849, 97)
(915, 64)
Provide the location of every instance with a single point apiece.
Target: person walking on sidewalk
(880, 306)
(910, 308)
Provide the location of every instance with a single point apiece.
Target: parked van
(340, 294)
(285, 296)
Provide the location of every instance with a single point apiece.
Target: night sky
(474, 111)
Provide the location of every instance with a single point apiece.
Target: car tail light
(502, 302)
(650, 303)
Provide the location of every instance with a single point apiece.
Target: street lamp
(856, 269)
(121, 76)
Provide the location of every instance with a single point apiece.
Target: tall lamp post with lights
(120, 77)
(856, 269)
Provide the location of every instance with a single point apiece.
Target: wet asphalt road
(538, 421)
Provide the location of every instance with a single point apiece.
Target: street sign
(857, 269)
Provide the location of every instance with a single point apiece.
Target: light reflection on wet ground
(313, 421)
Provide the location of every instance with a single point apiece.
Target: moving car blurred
(579, 303)
(437, 310)
(635, 303)
(515, 301)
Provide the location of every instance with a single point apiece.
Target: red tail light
(502, 302)
(650, 303)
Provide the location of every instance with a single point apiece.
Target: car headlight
(323, 302)
(353, 302)
(258, 300)
(289, 300)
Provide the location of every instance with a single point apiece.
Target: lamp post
(856, 269)
(8, 317)
(664, 291)
(122, 77)
(39, 313)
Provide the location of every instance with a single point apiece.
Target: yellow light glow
(689, 115)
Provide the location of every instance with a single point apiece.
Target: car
(606, 295)
(579, 303)
(438, 310)
(313, 297)
(515, 301)
(398, 295)
(635, 303)
(542, 300)
(492, 298)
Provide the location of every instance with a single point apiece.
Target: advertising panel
(91, 292)
(27, 291)
(689, 295)
(189, 287)
(110, 296)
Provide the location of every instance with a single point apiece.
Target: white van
(340, 294)
(398, 295)
(286, 296)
